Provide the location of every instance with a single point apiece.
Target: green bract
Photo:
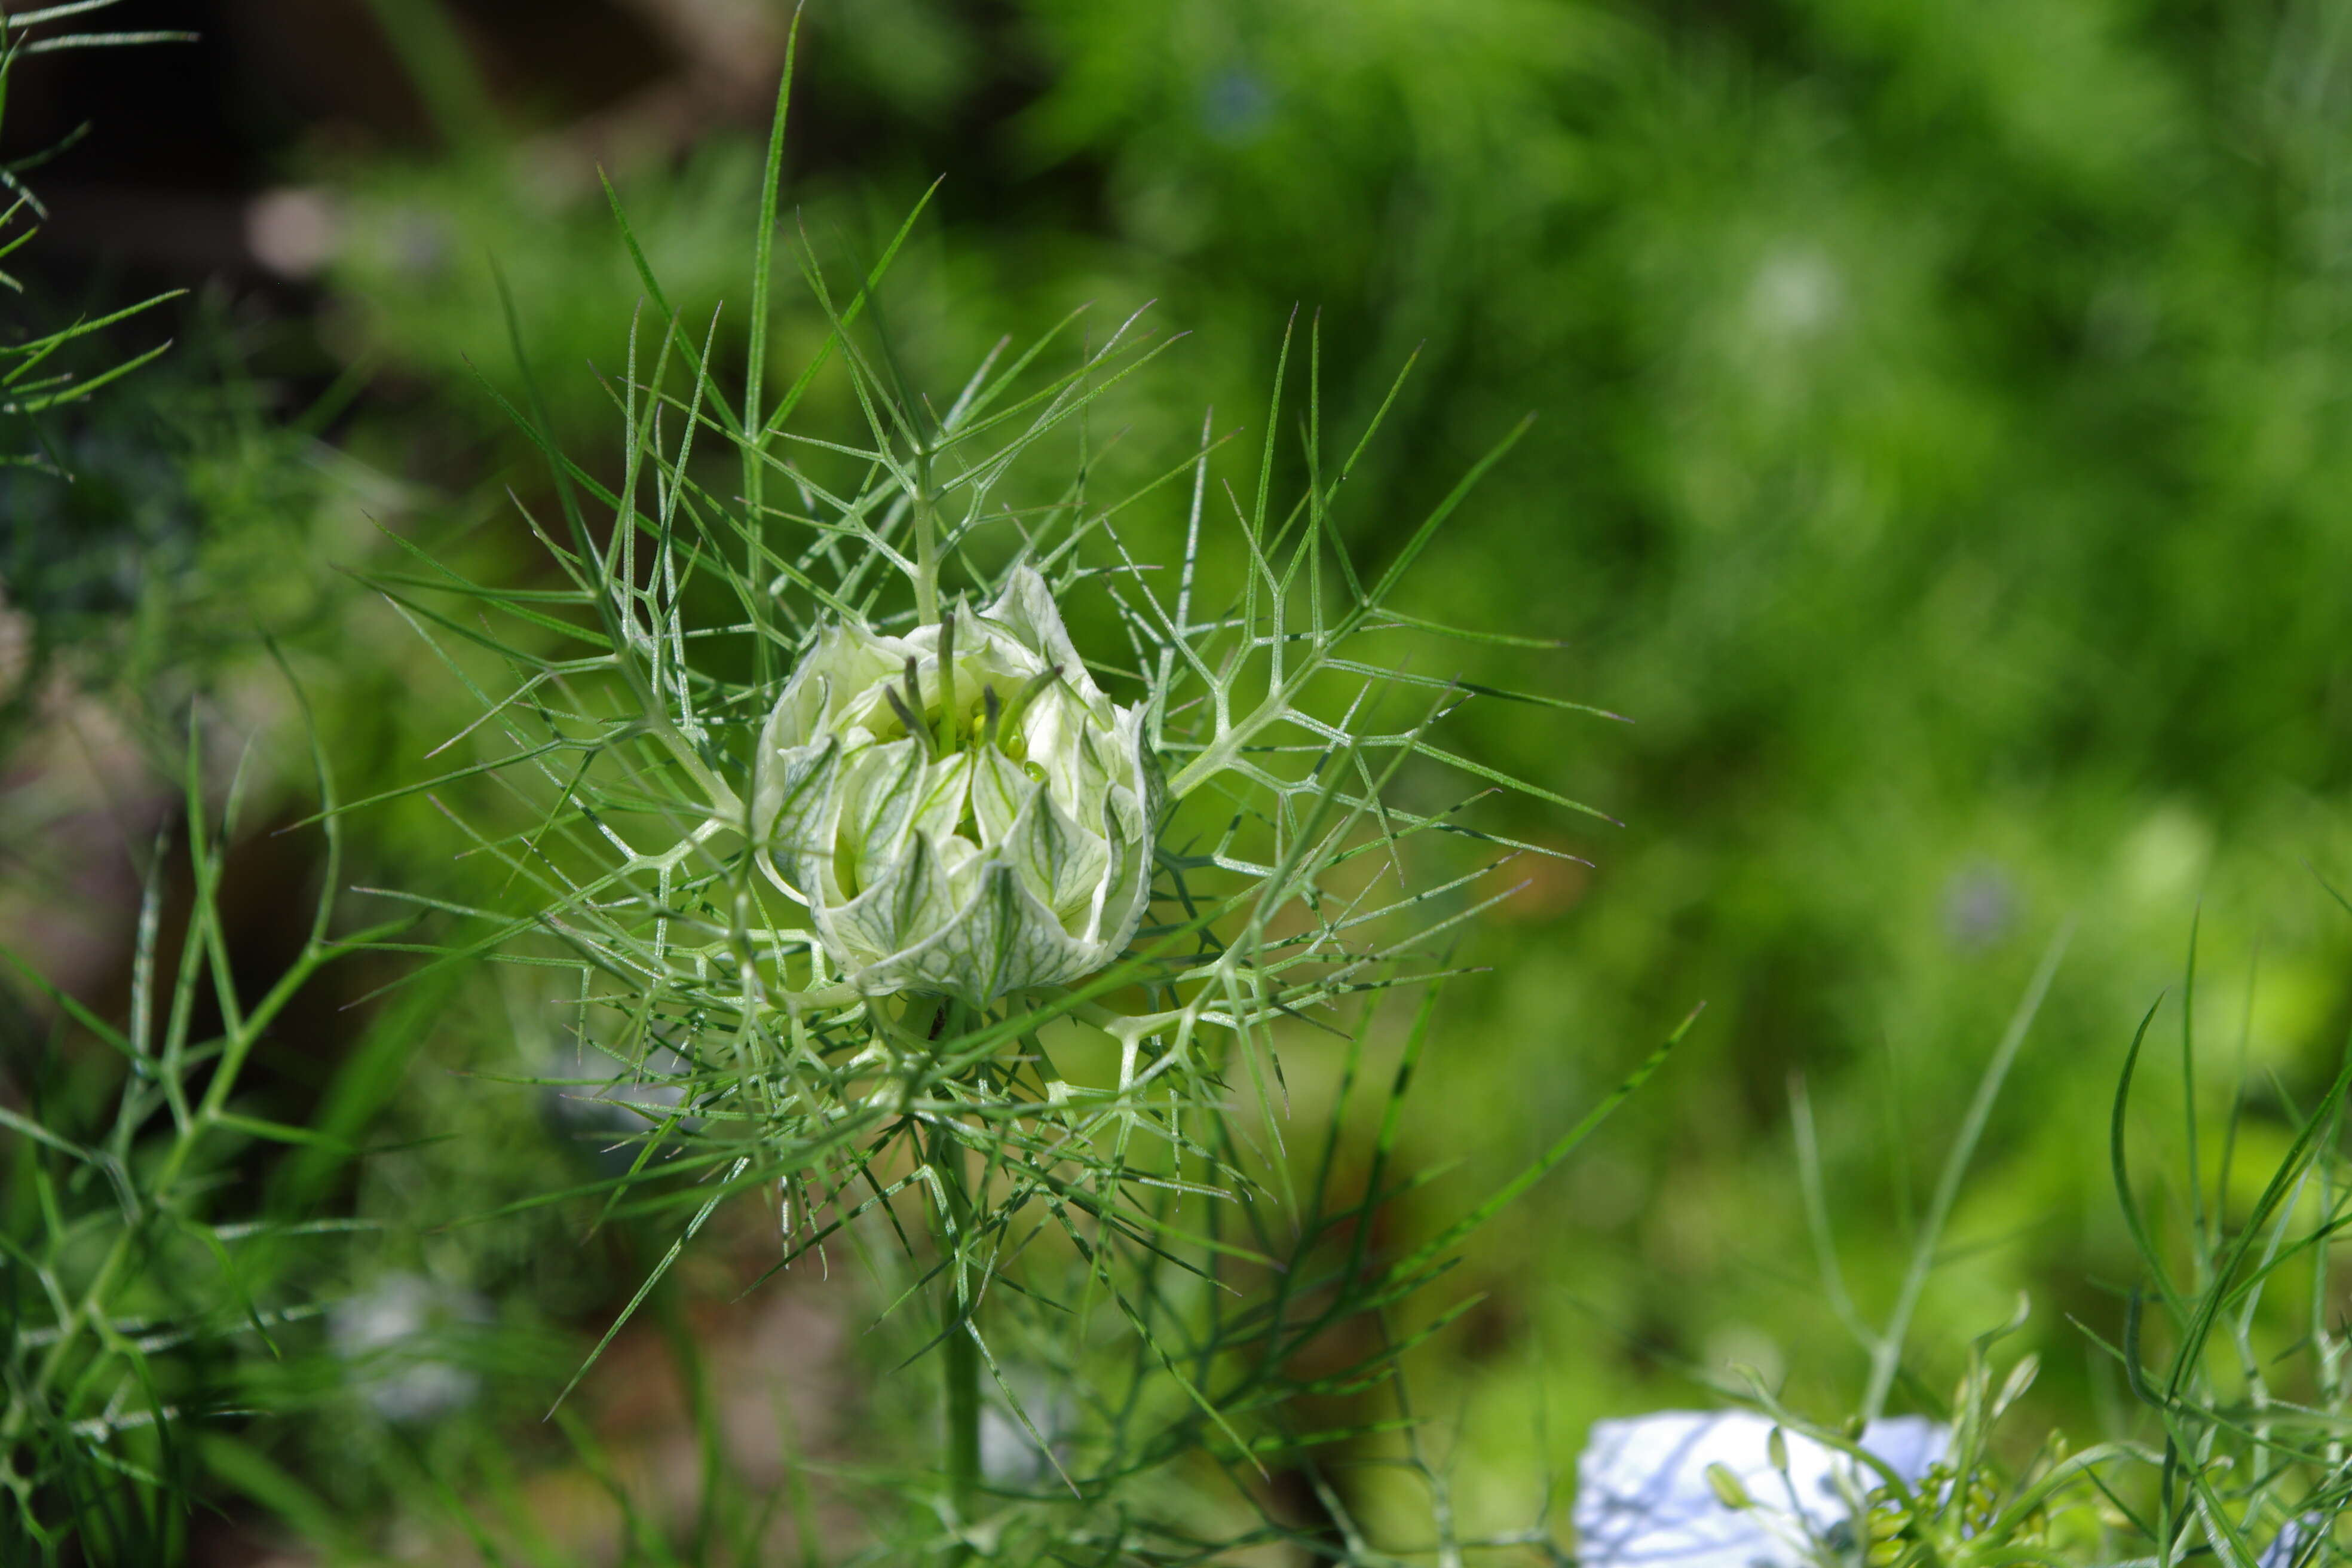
(962, 809)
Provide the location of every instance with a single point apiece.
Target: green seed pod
(962, 809)
(1727, 1487)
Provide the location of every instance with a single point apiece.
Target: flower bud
(962, 809)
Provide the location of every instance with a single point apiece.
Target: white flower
(962, 809)
(1642, 1495)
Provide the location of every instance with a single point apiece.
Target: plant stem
(238, 1044)
(962, 1368)
(959, 1357)
(927, 545)
(1886, 1356)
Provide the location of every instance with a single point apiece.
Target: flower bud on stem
(943, 851)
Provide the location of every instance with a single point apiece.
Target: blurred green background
(1943, 457)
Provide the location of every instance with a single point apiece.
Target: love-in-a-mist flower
(1646, 1498)
(962, 809)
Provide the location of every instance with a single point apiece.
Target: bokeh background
(1943, 457)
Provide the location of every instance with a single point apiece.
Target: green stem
(237, 1045)
(927, 545)
(442, 68)
(959, 1358)
(722, 800)
(1220, 753)
(962, 1368)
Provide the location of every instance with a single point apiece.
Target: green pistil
(950, 741)
(1026, 695)
(994, 722)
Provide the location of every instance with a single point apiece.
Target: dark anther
(907, 717)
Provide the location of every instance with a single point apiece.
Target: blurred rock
(293, 233)
(398, 1339)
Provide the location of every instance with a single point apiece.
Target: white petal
(1642, 1495)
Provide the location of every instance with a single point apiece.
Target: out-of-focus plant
(181, 525)
(1879, 1490)
(36, 376)
(2229, 1448)
(1954, 571)
(58, 554)
(140, 1274)
(145, 1281)
(2244, 1435)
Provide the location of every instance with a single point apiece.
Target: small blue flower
(1236, 105)
(2291, 1545)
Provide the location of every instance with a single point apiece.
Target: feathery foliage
(622, 708)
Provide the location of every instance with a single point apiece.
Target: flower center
(945, 728)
